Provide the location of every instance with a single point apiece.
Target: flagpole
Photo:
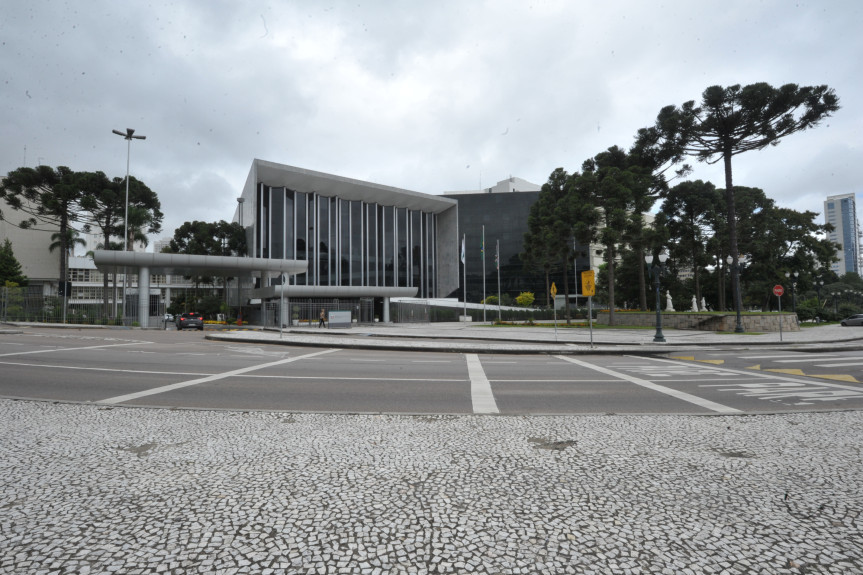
(497, 265)
(482, 251)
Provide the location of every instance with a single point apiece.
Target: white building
(841, 212)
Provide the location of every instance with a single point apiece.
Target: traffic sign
(553, 290)
(778, 290)
(588, 284)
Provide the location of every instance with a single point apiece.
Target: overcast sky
(431, 96)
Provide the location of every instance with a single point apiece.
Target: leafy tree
(687, 216)
(209, 239)
(734, 120)
(105, 201)
(609, 200)
(71, 240)
(49, 199)
(778, 240)
(548, 241)
(10, 267)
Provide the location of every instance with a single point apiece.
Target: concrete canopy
(183, 264)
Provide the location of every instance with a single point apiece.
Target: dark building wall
(504, 216)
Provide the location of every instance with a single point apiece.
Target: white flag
(462, 250)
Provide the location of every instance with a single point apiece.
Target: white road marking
(481, 394)
(771, 356)
(214, 377)
(683, 396)
(779, 387)
(807, 360)
(854, 364)
(72, 348)
(109, 369)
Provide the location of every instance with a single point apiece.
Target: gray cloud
(407, 94)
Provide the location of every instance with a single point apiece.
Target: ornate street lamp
(656, 270)
(818, 285)
(128, 136)
(738, 300)
(793, 290)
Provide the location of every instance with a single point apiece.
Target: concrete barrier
(758, 322)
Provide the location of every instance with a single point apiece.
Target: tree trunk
(732, 233)
(642, 281)
(609, 252)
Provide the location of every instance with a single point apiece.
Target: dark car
(856, 319)
(190, 320)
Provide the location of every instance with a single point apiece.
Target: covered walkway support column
(386, 317)
(144, 296)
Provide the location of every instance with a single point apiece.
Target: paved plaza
(89, 489)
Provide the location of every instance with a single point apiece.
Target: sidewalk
(485, 338)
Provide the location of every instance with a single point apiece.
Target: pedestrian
(323, 316)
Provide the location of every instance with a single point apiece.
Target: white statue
(703, 304)
(694, 304)
(668, 305)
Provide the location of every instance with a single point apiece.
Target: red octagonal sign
(778, 290)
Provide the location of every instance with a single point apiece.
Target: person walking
(322, 317)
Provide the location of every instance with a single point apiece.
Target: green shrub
(525, 299)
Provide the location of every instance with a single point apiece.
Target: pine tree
(10, 267)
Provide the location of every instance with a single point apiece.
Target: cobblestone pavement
(86, 489)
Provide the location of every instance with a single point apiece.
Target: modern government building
(320, 241)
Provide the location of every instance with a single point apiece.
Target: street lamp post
(818, 285)
(738, 300)
(793, 290)
(128, 136)
(656, 270)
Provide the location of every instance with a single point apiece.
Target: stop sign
(778, 290)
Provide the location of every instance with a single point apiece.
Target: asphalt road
(182, 370)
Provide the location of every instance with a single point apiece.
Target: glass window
(388, 250)
(334, 242)
(356, 243)
(402, 247)
(277, 203)
(416, 257)
(301, 227)
(371, 241)
(323, 239)
(290, 241)
(344, 242)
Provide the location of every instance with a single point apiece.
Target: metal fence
(17, 304)
(410, 312)
(306, 312)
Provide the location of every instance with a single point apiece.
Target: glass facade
(347, 242)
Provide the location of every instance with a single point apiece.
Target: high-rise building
(841, 212)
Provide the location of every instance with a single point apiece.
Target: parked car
(190, 319)
(169, 317)
(856, 319)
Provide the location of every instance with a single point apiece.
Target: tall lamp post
(738, 300)
(128, 136)
(793, 289)
(818, 285)
(656, 270)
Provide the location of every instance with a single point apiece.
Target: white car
(169, 317)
